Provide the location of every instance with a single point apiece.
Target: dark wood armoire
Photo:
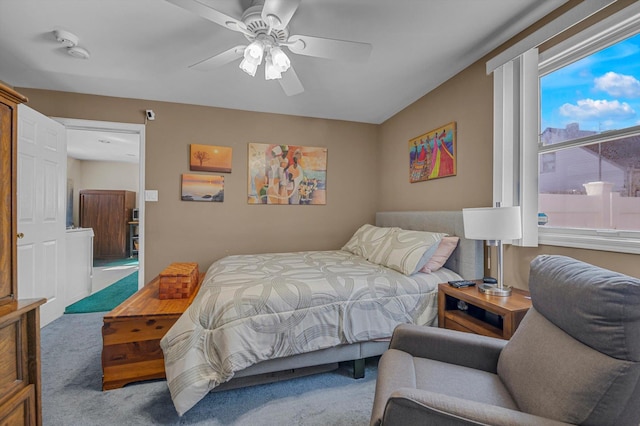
(108, 212)
(20, 388)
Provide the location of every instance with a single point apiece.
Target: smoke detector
(66, 38)
(78, 52)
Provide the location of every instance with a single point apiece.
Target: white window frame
(617, 27)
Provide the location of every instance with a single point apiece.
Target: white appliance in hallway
(79, 264)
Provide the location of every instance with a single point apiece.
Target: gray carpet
(72, 380)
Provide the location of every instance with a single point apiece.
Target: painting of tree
(210, 158)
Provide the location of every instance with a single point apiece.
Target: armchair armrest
(454, 347)
(413, 406)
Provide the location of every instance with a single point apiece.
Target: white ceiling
(99, 145)
(142, 49)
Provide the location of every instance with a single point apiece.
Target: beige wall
(203, 232)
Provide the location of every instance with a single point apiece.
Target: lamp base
(494, 290)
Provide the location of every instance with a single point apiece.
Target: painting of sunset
(202, 188)
(210, 158)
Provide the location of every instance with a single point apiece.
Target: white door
(42, 171)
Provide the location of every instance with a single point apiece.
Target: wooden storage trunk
(178, 280)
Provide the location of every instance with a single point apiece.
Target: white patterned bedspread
(252, 308)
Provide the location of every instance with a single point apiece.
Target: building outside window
(589, 147)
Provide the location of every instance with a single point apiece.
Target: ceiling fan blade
(219, 59)
(329, 48)
(290, 83)
(206, 12)
(282, 9)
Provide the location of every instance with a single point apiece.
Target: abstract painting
(287, 174)
(433, 154)
(202, 187)
(210, 158)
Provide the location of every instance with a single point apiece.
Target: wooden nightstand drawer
(466, 309)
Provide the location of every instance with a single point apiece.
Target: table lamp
(493, 224)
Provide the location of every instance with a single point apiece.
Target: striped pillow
(406, 251)
(366, 239)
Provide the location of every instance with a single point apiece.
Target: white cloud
(589, 109)
(618, 85)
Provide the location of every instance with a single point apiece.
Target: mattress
(252, 308)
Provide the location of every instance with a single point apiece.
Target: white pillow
(366, 239)
(406, 251)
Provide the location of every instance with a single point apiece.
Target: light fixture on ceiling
(78, 52)
(66, 38)
(276, 61)
(70, 42)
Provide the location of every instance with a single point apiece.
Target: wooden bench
(131, 335)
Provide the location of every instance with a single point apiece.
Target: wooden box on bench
(178, 280)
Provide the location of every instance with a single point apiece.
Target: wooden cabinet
(108, 212)
(466, 309)
(20, 389)
(9, 101)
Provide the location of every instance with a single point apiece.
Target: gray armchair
(574, 359)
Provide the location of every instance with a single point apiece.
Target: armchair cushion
(575, 355)
(551, 374)
(398, 369)
(594, 305)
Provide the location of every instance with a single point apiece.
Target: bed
(259, 314)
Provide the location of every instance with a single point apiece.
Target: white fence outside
(599, 209)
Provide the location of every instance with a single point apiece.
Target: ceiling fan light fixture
(271, 71)
(249, 67)
(280, 59)
(254, 52)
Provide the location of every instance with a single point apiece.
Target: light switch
(151, 195)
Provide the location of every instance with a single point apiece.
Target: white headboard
(468, 258)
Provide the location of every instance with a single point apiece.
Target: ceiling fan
(265, 25)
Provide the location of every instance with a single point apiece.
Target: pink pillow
(446, 246)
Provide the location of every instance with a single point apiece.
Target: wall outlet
(151, 195)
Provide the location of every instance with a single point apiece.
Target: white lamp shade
(280, 59)
(271, 72)
(253, 52)
(248, 67)
(492, 223)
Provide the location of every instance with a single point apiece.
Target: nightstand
(466, 309)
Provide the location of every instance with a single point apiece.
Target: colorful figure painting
(287, 174)
(210, 158)
(433, 154)
(202, 188)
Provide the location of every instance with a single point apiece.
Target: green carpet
(108, 298)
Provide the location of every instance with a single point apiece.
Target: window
(589, 145)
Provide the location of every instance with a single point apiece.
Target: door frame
(129, 128)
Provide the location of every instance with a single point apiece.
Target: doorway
(111, 141)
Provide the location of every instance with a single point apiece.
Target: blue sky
(600, 92)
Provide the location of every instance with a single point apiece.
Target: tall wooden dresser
(108, 212)
(20, 389)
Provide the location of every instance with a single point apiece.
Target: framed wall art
(202, 188)
(210, 158)
(433, 154)
(286, 174)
